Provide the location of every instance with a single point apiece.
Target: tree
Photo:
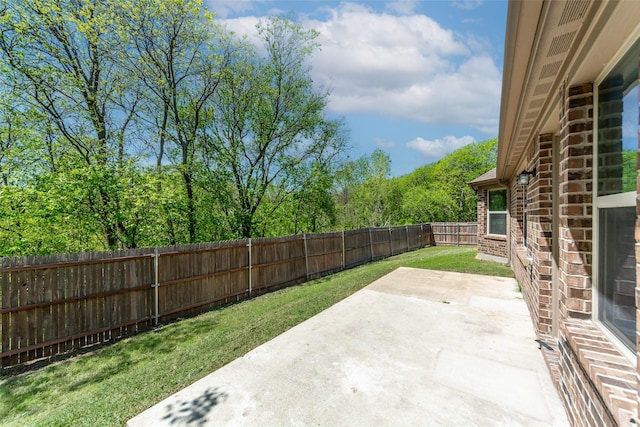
(268, 125)
(309, 209)
(453, 172)
(629, 170)
(366, 196)
(177, 54)
(16, 145)
(60, 54)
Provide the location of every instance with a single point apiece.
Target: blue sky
(415, 78)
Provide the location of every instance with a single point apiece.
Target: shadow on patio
(415, 347)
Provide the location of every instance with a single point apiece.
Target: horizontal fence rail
(455, 233)
(57, 303)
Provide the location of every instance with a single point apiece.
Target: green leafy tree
(311, 208)
(365, 194)
(453, 172)
(177, 53)
(267, 125)
(437, 192)
(59, 55)
(629, 170)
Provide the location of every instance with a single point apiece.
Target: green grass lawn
(116, 382)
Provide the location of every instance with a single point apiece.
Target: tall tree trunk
(163, 138)
(191, 217)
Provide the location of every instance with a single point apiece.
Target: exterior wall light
(524, 177)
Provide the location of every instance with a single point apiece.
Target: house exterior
(561, 207)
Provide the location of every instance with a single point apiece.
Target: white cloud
(401, 66)
(244, 26)
(438, 148)
(407, 67)
(385, 143)
(468, 4)
(403, 7)
(223, 8)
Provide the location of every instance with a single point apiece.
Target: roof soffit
(534, 75)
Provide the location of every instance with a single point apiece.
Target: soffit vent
(516, 155)
(532, 151)
(536, 103)
(527, 125)
(542, 89)
(550, 70)
(561, 44)
(531, 115)
(573, 10)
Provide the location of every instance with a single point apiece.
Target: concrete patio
(416, 347)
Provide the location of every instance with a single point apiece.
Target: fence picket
(57, 303)
(455, 234)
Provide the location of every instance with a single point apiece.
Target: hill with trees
(437, 192)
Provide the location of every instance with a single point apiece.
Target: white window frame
(489, 212)
(627, 199)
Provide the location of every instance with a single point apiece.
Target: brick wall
(535, 278)
(516, 200)
(597, 382)
(541, 236)
(575, 219)
(490, 245)
(523, 271)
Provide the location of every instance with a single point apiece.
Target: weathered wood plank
(57, 303)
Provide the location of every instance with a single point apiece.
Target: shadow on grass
(83, 368)
(195, 411)
(244, 328)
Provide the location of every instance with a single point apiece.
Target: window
(497, 214)
(617, 150)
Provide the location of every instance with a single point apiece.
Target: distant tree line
(437, 192)
(143, 123)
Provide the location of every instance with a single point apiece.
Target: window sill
(611, 373)
(500, 237)
(523, 255)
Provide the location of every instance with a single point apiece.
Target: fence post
(343, 251)
(406, 227)
(306, 255)
(371, 243)
(422, 245)
(156, 284)
(458, 234)
(390, 242)
(249, 246)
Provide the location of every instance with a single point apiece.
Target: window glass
(498, 200)
(617, 148)
(618, 128)
(497, 219)
(616, 303)
(498, 223)
(630, 115)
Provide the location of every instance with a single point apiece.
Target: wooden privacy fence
(455, 233)
(53, 304)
